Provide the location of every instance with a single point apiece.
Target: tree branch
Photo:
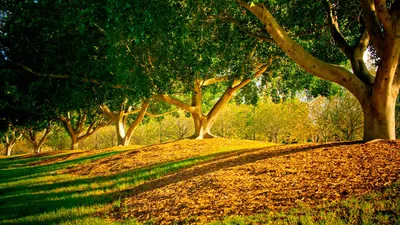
(335, 31)
(383, 15)
(108, 112)
(304, 59)
(373, 25)
(259, 72)
(160, 115)
(83, 80)
(166, 98)
(214, 80)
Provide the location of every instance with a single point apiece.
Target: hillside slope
(199, 181)
(273, 178)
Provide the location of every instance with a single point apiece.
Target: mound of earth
(253, 181)
(172, 151)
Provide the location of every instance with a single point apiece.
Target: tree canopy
(60, 57)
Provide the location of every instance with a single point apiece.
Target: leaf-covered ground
(168, 152)
(250, 181)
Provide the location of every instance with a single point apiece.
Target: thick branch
(81, 123)
(83, 80)
(166, 98)
(335, 31)
(304, 59)
(373, 25)
(384, 16)
(132, 112)
(108, 112)
(67, 125)
(46, 133)
(138, 120)
(259, 72)
(214, 80)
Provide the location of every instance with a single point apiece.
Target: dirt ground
(253, 181)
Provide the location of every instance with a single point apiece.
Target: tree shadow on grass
(108, 186)
(15, 174)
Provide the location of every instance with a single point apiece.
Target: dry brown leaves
(151, 155)
(253, 181)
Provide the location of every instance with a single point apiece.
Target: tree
(120, 120)
(323, 129)
(31, 134)
(10, 138)
(177, 126)
(346, 116)
(75, 125)
(379, 29)
(204, 122)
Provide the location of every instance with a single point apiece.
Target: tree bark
(11, 138)
(120, 124)
(31, 136)
(379, 119)
(76, 133)
(74, 142)
(9, 148)
(202, 127)
(120, 120)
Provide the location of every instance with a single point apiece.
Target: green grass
(380, 207)
(41, 195)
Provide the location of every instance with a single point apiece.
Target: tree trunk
(9, 148)
(74, 146)
(38, 148)
(74, 142)
(121, 136)
(202, 127)
(379, 118)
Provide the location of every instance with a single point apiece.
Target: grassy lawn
(34, 193)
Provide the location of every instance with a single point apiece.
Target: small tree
(9, 139)
(75, 125)
(33, 136)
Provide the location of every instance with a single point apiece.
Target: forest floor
(218, 181)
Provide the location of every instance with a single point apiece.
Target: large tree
(373, 24)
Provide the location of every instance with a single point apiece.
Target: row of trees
(320, 119)
(62, 60)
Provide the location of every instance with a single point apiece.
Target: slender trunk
(74, 142)
(120, 127)
(9, 148)
(379, 118)
(37, 148)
